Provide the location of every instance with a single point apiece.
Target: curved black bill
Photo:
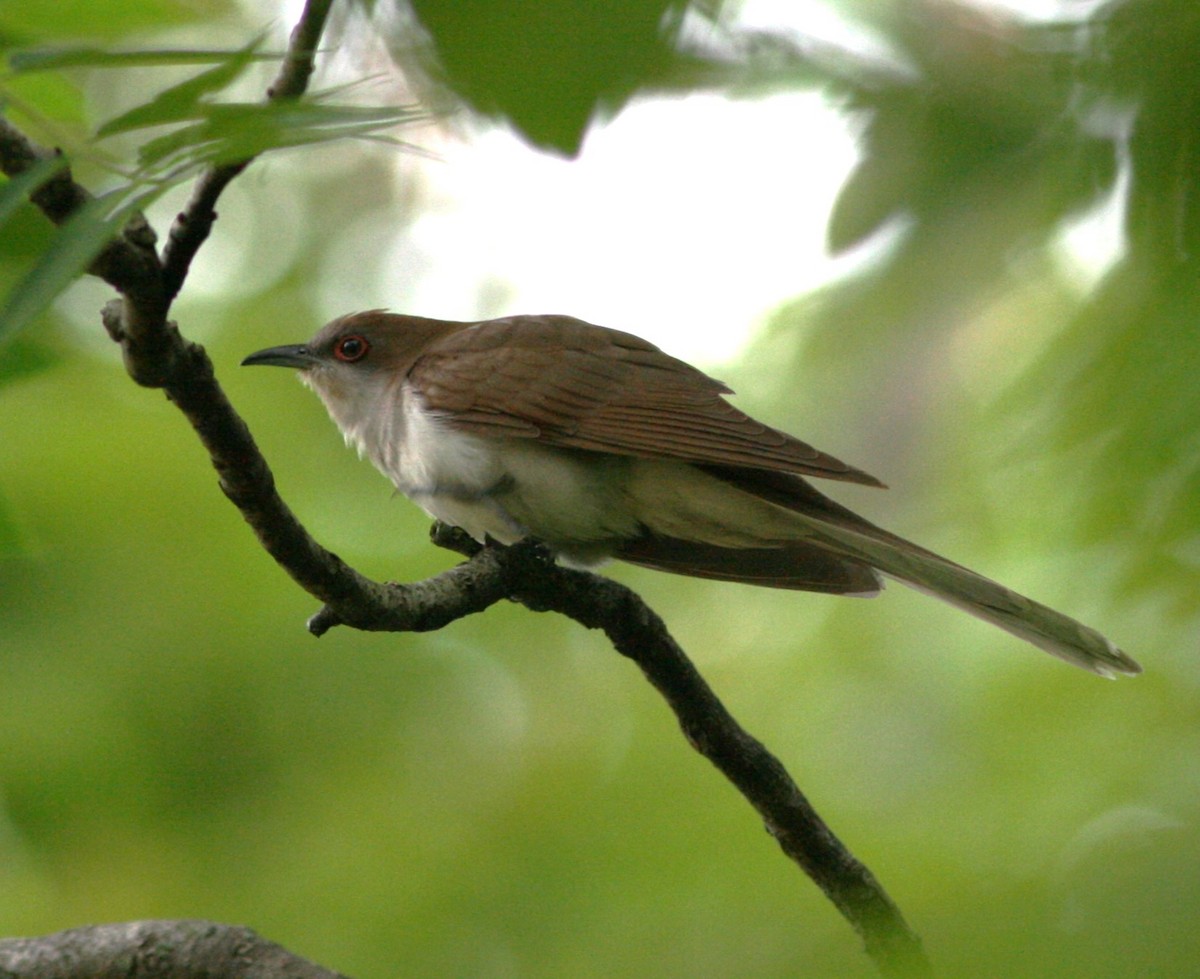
(292, 355)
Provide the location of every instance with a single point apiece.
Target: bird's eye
(351, 348)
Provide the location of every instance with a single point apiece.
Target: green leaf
(23, 358)
(78, 241)
(183, 101)
(239, 131)
(54, 95)
(74, 19)
(16, 190)
(55, 59)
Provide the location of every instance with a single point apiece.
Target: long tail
(1026, 619)
(845, 533)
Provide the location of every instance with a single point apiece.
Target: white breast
(502, 488)
(430, 457)
(580, 503)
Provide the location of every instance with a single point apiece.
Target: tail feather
(801, 566)
(831, 525)
(1057, 634)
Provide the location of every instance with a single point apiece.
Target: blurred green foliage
(507, 797)
(505, 57)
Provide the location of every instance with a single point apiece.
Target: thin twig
(194, 223)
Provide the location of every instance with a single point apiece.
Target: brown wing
(579, 386)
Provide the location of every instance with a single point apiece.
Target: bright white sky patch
(686, 221)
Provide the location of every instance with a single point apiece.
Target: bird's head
(357, 363)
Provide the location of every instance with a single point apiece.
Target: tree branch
(638, 633)
(156, 355)
(194, 223)
(154, 950)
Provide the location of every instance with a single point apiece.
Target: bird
(602, 446)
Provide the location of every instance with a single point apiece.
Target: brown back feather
(575, 385)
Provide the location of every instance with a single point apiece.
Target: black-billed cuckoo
(600, 445)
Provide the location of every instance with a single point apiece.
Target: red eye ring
(350, 348)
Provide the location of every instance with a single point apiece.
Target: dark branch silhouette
(157, 355)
